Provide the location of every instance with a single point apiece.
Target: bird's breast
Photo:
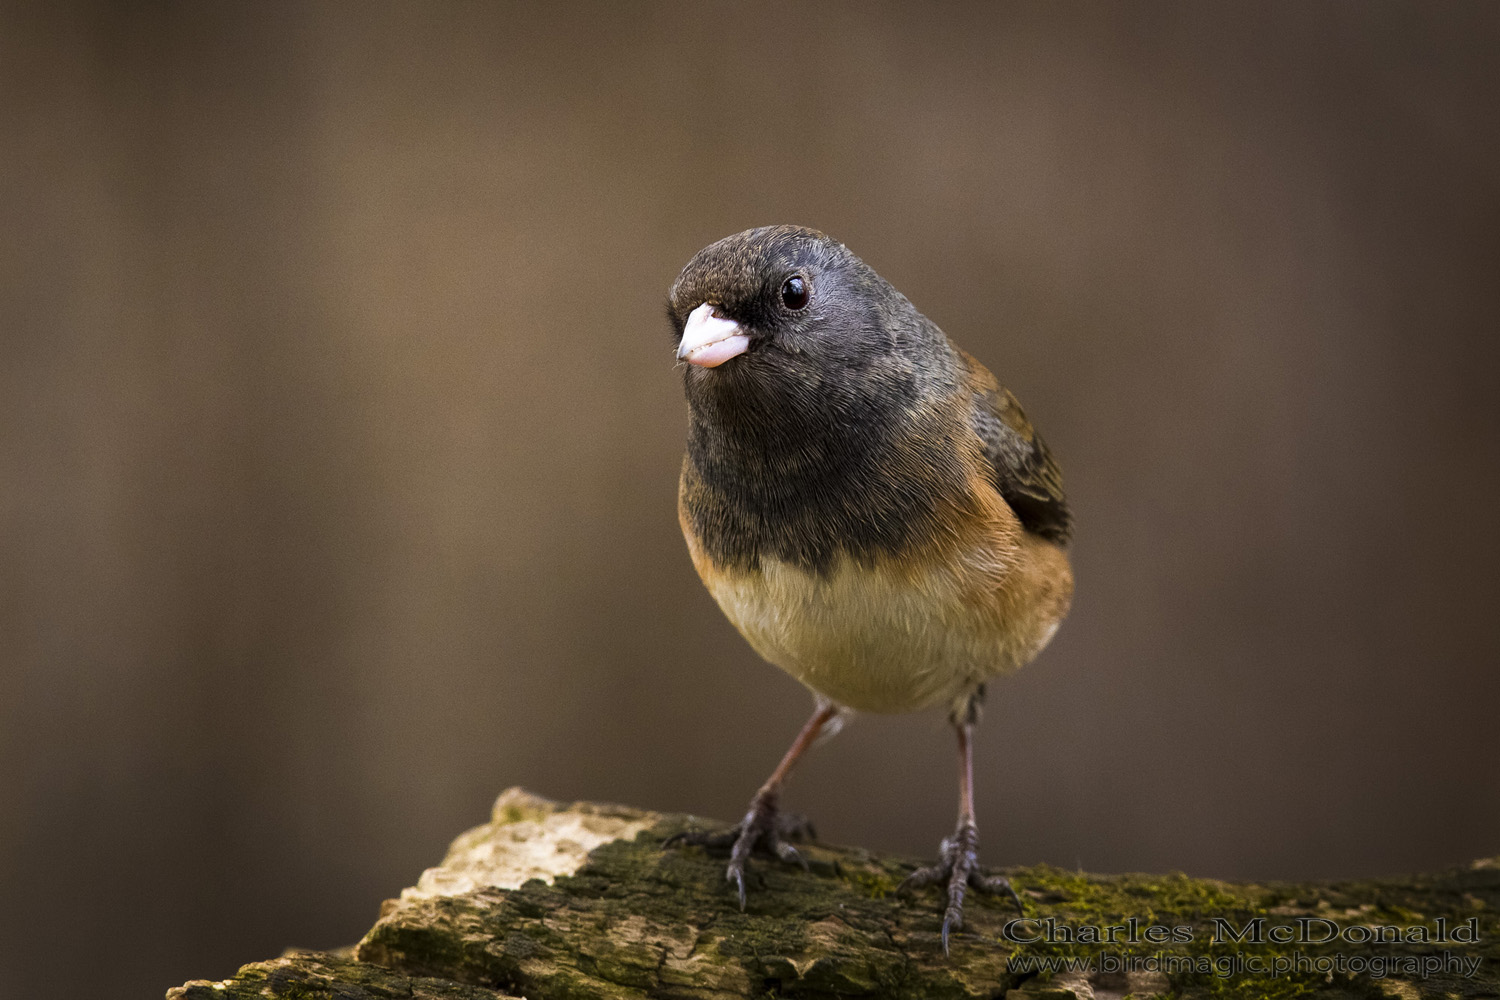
(873, 638)
(897, 634)
(874, 561)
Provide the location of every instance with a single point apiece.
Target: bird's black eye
(794, 293)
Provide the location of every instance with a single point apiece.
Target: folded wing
(1025, 473)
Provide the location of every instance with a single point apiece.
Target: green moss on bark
(640, 921)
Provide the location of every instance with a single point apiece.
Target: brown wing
(1025, 472)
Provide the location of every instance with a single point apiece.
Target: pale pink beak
(710, 340)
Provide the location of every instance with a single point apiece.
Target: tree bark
(553, 901)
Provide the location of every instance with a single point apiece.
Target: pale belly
(882, 640)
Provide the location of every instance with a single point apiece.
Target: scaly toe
(922, 877)
(994, 885)
(764, 830)
(957, 871)
(715, 840)
(786, 852)
(736, 873)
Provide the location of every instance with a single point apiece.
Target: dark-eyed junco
(868, 506)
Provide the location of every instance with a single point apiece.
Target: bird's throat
(807, 480)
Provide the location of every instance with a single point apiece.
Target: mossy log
(554, 901)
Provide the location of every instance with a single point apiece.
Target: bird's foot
(958, 869)
(765, 829)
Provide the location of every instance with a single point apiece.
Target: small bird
(868, 506)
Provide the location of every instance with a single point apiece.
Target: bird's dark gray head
(777, 297)
(784, 324)
(808, 379)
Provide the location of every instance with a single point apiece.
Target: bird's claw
(786, 852)
(764, 830)
(958, 867)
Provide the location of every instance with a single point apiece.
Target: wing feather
(1024, 470)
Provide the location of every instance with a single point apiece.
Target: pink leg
(763, 825)
(959, 864)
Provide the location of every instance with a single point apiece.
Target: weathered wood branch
(552, 901)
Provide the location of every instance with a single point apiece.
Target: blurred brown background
(339, 436)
